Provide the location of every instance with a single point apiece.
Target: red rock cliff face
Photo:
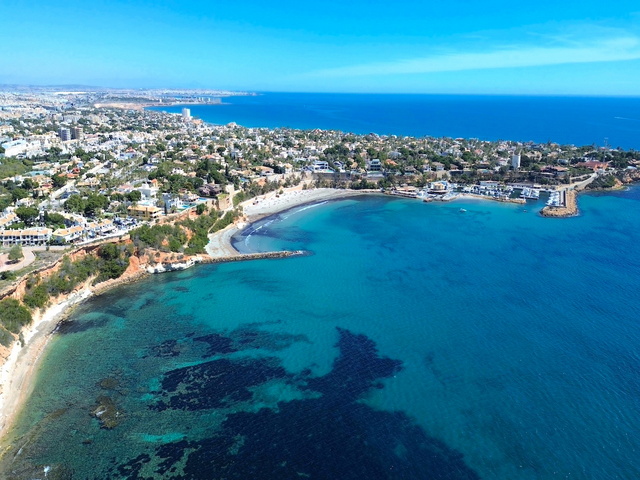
(136, 269)
(18, 290)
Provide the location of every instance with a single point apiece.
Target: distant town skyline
(492, 47)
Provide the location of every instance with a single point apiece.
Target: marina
(486, 190)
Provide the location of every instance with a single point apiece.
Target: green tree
(109, 251)
(29, 184)
(19, 193)
(36, 297)
(75, 203)
(13, 315)
(54, 152)
(5, 201)
(54, 219)
(8, 275)
(16, 254)
(95, 203)
(59, 181)
(28, 215)
(134, 196)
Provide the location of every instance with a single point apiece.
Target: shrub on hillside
(14, 315)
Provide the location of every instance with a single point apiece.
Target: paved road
(29, 257)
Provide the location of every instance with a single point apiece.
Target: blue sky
(585, 47)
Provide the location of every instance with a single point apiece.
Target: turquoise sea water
(415, 342)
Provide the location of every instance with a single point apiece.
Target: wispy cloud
(625, 47)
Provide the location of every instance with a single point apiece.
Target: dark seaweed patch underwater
(330, 436)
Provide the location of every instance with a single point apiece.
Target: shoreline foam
(18, 371)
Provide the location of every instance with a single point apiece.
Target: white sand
(272, 203)
(219, 245)
(17, 372)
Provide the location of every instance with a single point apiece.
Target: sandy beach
(273, 203)
(219, 245)
(17, 372)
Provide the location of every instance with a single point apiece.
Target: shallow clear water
(415, 342)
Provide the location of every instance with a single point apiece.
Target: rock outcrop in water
(107, 412)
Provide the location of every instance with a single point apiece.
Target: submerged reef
(329, 433)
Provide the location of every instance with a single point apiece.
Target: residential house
(210, 190)
(7, 219)
(320, 165)
(144, 212)
(28, 236)
(374, 165)
(67, 235)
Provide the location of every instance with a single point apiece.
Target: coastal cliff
(22, 350)
(19, 359)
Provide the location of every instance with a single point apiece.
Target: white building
(320, 166)
(7, 219)
(27, 236)
(148, 191)
(16, 147)
(375, 165)
(515, 160)
(186, 114)
(65, 235)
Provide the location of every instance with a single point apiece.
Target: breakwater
(257, 256)
(569, 208)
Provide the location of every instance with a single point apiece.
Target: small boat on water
(462, 210)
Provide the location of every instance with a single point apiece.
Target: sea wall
(570, 208)
(496, 199)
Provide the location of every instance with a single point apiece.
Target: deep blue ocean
(613, 121)
(414, 342)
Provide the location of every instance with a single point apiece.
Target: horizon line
(487, 94)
